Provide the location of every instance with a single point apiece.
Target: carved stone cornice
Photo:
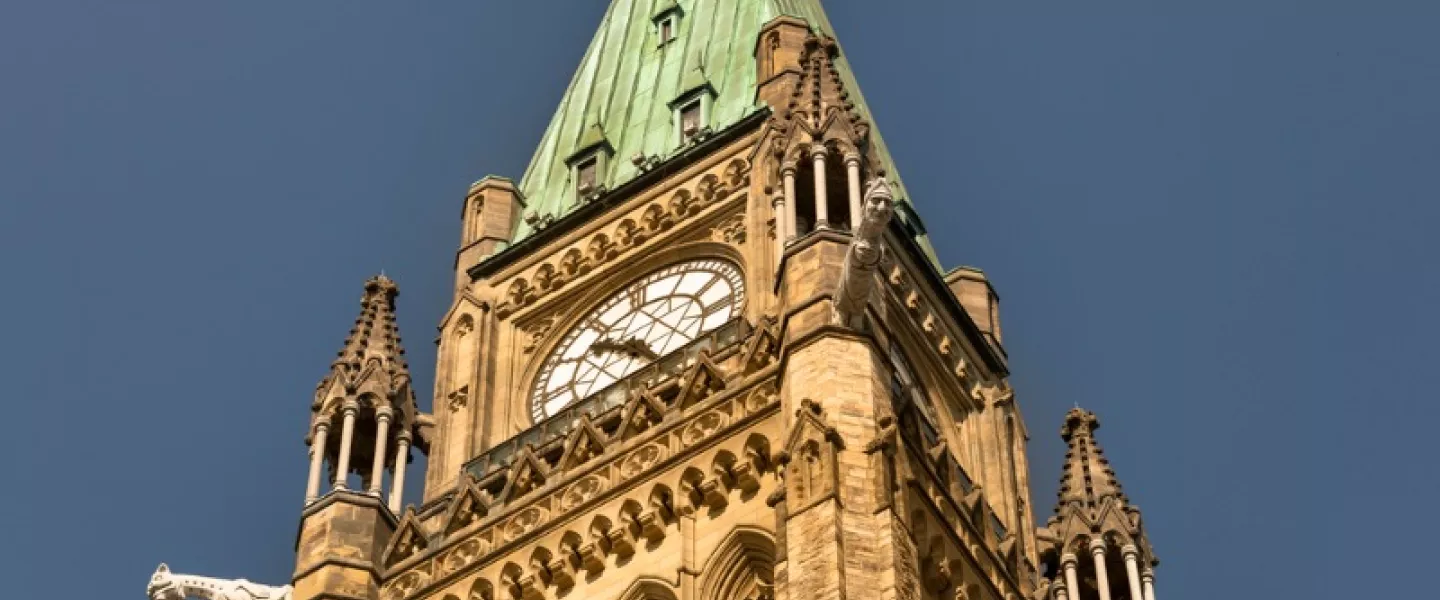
(937, 330)
(626, 234)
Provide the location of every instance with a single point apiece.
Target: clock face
(650, 318)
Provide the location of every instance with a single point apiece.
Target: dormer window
(667, 20)
(585, 176)
(692, 106)
(588, 163)
(691, 119)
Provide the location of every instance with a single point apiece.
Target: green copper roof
(623, 92)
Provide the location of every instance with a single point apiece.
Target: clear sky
(1213, 223)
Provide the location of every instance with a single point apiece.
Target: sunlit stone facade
(702, 350)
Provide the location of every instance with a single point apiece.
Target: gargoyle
(867, 248)
(165, 585)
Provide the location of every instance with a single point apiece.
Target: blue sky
(1212, 223)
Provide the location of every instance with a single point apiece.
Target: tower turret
(364, 420)
(1095, 534)
(368, 400)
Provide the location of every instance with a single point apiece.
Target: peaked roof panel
(627, 81)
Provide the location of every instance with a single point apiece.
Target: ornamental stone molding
(937, 329)
(628, 233)
(697, 464)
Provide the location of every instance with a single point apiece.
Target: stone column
(1072, 579)
(1132, 569)
(778, 203)
(1102, 578)
(1060, 592)
(1147, 580)
(822, 214)
(347, 434)
(787, 173)
(402, 455)
(317, 461)
(852, 173)
(382, 433)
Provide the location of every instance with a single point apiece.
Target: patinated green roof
(623, 90)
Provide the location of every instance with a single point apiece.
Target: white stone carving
(165, 585)
(866, 250)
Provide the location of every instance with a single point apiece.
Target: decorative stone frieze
(475, 531)
(626, 234)
(730, 231)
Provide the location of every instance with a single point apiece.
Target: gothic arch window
(647, 588)
(837, 191)
(836, 200)
(804, 197)
(767, 56)
(743, 568)
(812, 469)
(458, 353)
(910, 399)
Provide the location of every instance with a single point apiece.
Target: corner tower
(1095, 545)
(364, 423)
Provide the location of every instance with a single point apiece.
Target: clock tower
(701, 350)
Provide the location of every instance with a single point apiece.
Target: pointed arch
(741, 568)
(649, 588)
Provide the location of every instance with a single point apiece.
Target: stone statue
(165, 585)
(866, 250)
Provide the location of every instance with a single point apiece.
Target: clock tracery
(644, 321)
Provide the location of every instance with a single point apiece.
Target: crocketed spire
(1087, 477)
(372, 360)
(375, 335)
(820, 111)
(1092, 514)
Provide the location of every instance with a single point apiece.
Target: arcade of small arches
(741, 568)
(368, 422)
(809, 197)
(1106, 566)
